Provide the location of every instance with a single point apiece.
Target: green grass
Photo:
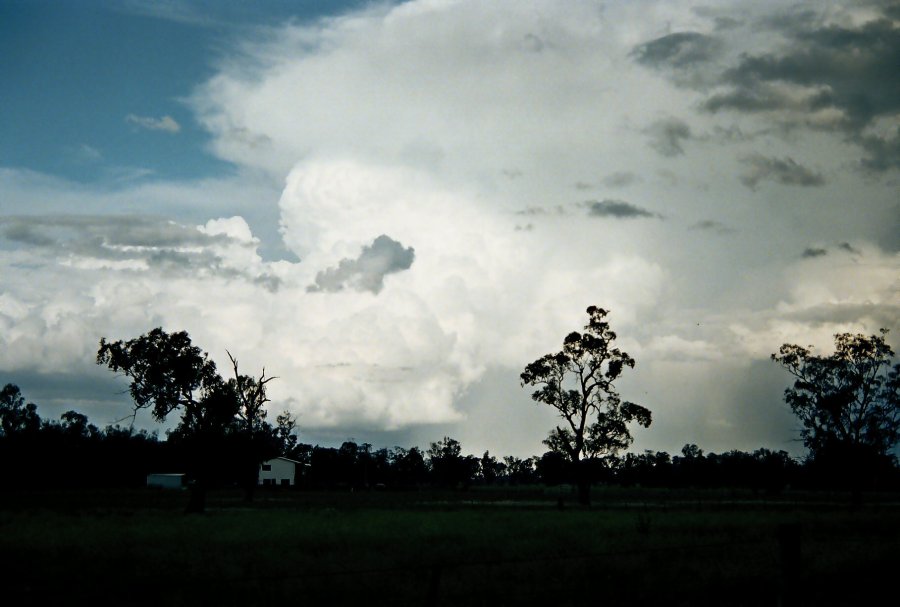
(491, 547)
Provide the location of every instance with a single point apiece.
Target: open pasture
(476, 547)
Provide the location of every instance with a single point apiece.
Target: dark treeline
(73, 453)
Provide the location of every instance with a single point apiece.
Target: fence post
(789, 552)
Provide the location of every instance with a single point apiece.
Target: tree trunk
(583, 482)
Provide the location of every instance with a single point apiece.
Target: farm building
(280, 471)
(166, 481)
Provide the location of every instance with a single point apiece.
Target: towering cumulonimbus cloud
(476, 294)
(459, 180)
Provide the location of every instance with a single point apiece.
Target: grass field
(476, 547)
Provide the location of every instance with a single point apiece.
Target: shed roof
(286, 459)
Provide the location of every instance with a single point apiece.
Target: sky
(395, 207)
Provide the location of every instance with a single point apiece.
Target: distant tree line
(848, 404)
(73, 453)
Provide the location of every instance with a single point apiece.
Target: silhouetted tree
(76, 424)
(349, 472)
(301, 452)
(773, 470)
(491, 469)
(380, 473)
(761, 470)
(125, 456)
(518, 471)
(257, 437)
(409, 467)
(449, 467)
(689, 467)
(365, 465)
(16, 416)
(325, 470)
(578, 382)
(21, 454)
(848, 402)
(691, 451)
(554, 468)
(70, 452)
(285, 434)
(649, 469)
(169, 373)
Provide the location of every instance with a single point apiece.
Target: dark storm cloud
(824, 77)
(25, 233)
(616, 209)
(842, 247)
(891, 8)
(859, 67)
(710, 225)
(677, 50)
(828, 78)
(667, 135)
(366, 273)
(785, 171)
(686, 57)
(812, 252)
(159, 243)
(883, 153)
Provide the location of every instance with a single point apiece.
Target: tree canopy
(578, 381)
(449, 467)
(848, 400)
(16, 416)
(168, 373)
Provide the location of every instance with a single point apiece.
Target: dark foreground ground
(478, 547)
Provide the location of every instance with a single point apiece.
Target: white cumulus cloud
(482, 136)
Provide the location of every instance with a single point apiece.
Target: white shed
(166, 481)
(279, 471)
